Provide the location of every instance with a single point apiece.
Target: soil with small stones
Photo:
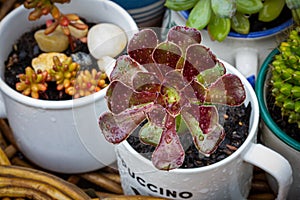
(235, 121)
(24, 50)
(290, 129)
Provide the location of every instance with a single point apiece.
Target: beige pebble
(45, 60)
(53, 42)
(76, 32)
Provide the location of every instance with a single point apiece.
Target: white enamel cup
(61, 136)
(229, 178)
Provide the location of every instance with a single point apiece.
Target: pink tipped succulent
(177, 80)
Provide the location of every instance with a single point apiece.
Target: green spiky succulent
(285, 77)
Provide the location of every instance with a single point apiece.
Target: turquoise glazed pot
(271, 135)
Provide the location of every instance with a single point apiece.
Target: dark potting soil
(235, 121)
(24, 50)
(290, 129)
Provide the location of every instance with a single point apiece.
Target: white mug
(229, 178)
(61, 136)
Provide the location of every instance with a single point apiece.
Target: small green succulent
(64, 73)
(86, 83)
(32, 83)
(285, 77)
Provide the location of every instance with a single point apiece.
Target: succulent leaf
(169, 153)
(117, 128)
(198, 59)
(218, 28)
(202, 122)
(166, 55)
(124, 69)
(145, 81)
(150, 134)
(195, 93)
(184, 36)
(210, 75)
(121, 97)
(224, 8)
(228, 90)
(141, 46)
(200, 15)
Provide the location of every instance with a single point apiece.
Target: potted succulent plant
(171, 89)
(245, 37)
(51, 133)
(277, 90)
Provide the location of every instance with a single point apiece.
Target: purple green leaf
(125, 68)
(117, 128)
(145, 81)
(172, 100)
(166, 55)
(121, 97)
(157, 115)
(184, 36)
(198, 59)
(195, 92)
(141, 46)
(228, 90)
(169, 153)
(209, 76)
(174, 79)
(150, 134)
(202, 122)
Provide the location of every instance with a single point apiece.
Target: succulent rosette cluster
(177, 81)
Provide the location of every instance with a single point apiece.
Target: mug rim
(59, 104)
(255, 34)
(259, 87)
(252, 131)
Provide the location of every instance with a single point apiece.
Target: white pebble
(106, 39)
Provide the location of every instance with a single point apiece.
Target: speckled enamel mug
(227, 179)
(61, 136)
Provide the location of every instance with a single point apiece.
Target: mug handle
(273, 163)
(2, 107)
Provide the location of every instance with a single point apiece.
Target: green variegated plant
(177, 81)
(221, 16)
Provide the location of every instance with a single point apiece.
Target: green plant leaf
(240, 23)
(200, 15)
(249, 6)
(178, 5)
(218, 28)
(224, 8)
(271, 10)
(150, 134)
